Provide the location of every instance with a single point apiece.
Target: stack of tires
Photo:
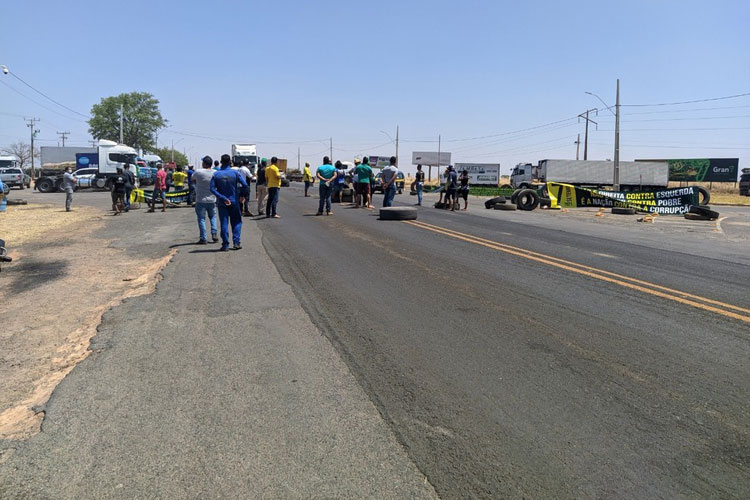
(523, 199)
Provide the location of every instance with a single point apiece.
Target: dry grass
(23, 223)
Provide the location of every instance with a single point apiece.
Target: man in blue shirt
(224, 187)
(326, 175)
(340, 183)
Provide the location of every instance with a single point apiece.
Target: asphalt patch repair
(62, 280)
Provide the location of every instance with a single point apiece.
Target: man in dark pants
(129, 185)
(224, 186)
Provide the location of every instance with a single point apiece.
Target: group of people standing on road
(333, 182)
(121, 185)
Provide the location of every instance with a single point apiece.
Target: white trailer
(633, 175)
(245, 152)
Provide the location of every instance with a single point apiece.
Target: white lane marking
(605, 255)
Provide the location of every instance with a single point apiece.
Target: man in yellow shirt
(308, 178)
(179, 178)
(273, 178)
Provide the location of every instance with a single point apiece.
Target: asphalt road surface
(533, 358)
(502, 355)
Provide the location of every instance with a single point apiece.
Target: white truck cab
(111, 157)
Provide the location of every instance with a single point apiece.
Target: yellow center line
(592, 272)
(601, 271)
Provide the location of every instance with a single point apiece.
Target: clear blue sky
(295, 72)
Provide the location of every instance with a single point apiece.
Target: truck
(108, 157)
(245, 152)
(639, 175)
(11, 172)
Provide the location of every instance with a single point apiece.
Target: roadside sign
(430, 158)
(703, 169)
(481, 173)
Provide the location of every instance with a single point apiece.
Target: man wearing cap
(224, 186)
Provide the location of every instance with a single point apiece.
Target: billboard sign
(481, 173)
(430, 158)
(379, 162)
(703, 169)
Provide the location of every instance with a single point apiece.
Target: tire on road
(398, 213)
(515, 195)
(704, 196)
(505, 206)
(690, 216)
(494, 201)
(704, 211)
(623, 210)
(527, 200)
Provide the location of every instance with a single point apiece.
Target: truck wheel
(623, 211)
(45, 185)
(515, 195)
(527, 200)
(494, 201)
(705, 196)
(398, 213)
(705, 211)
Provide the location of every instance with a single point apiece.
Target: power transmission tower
(32, 126)
(578, 145)
(63, 136)
(585, 116)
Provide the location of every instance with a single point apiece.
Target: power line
(39, 103)
(690, 102)
(14, 75)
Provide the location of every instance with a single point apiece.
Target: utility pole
(93, 143)
(32, 126)
(298, 157)
(438, 160)
(63, 136)
(331, 157)
(121, 113)
(616, 180)
(585, 116)
(578, 145)
(396, 144)
(172, 147)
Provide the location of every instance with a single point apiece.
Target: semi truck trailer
(639, 175)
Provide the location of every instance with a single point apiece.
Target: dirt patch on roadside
(52, 298)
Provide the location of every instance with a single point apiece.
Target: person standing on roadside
(205, 200)
(325, 174)
(216, 164)
(390, 173)
(464, 187)
(129, 185)
(451, 188)
(356, 198)
(191, 186)
(307, 178)
(273, 179)
(118, 191)
(69, 184)
(248, 176)
(224, 186)
(364, 175)
(340, 182)
(179, 177)
(261, 186)
(419, 181)
(160, 188)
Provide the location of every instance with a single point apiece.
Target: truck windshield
(7, 163)
(242, 158)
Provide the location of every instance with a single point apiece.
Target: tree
(141, 119)
(22, 151)
(166, 155)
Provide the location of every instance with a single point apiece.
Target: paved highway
(535, 359)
